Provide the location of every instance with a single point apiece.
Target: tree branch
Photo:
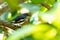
(7, 24)
(46, 5)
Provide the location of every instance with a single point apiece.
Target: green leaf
(22, 32)
(52, 16)
(43, 1)
(1, 30)
(37, 1)
(51, 2)
(12, 3)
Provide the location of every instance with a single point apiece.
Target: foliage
(43, 22)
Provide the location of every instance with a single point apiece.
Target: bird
(20, 18)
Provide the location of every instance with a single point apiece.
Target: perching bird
(20, 18)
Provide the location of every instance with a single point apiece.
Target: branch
(7, 24)
(46, 5)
